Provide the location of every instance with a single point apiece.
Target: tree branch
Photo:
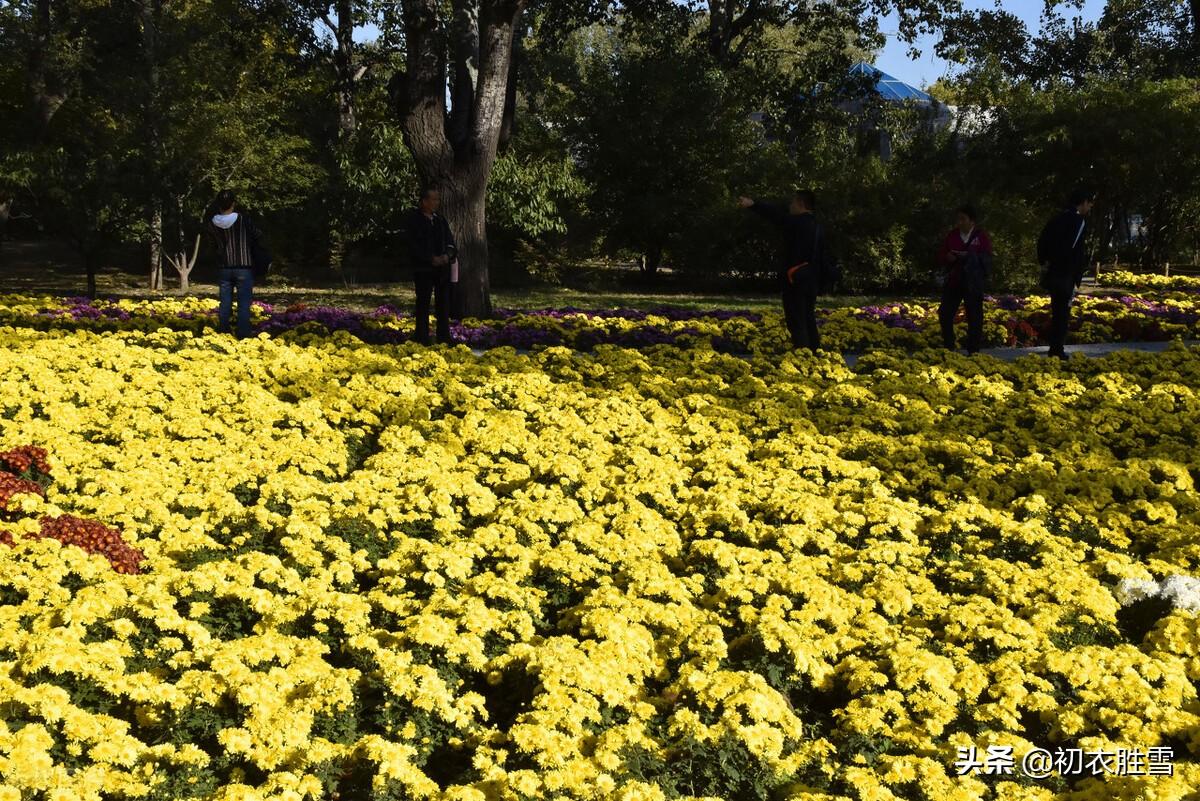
(752, 14)
(465, 36)
(325, 18)
(497, 22)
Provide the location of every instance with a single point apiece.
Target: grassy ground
(43, 270)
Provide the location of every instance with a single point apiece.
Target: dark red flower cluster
(17, 467)
(93, 537)
(1021, 334)
(10, 485)
(20, 461)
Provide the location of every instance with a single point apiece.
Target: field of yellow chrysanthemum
(386, 572)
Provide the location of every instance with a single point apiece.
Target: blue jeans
(243, 278)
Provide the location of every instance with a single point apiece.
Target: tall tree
(150, 14)
(1132, 39)
(231, 88)
(455, 144)
(326, 29)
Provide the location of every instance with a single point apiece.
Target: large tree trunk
(1194, 5)
(343, 59)
(46, 86)
(727, 20)
(466, 212)
(508, 125)
(720, 15)
(89, 265)
(457, 150)
(345, 78)
(652, 260)
(149, 13)
(156, 238)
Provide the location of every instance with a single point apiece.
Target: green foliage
(632, 137)
(377, 179)
(528, 195)
(664, 140)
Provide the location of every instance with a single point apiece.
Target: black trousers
(436, 284)
(1062, 292)
(952, 298)
(800, 314)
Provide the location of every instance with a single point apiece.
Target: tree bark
(156, 229)
(652, 259)
(183, 264)
(508, 126)
(465, 42)
(457, 150)
(725, 24)
(467, 215)
(343, 59)
(149, 12)
(46, 86)
(89, 264)
(1194, 6)
(720, 16)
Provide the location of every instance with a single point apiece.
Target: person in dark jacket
(1062, 255)
(798, 263)
(966, 256)
(431, 247)
(237, 238)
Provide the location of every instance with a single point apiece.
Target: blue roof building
(890, 88)
(893, 90)
(935, 115)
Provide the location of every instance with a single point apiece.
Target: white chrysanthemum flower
(1130, 591)
(1183, 592)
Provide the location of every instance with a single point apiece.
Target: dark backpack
(260, 256)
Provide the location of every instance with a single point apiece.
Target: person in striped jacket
(236, 238)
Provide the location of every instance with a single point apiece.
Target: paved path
(1100, 349)
(1010, 354)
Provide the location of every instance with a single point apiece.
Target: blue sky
(925, 70)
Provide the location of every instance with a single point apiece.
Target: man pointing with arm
(798, 267)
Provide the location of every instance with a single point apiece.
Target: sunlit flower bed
(390, 572)
(1010, 321)
(24, 476)
(1144, 281)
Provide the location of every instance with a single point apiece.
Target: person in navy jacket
(432, 249)
(1062, 254)
(966, 257)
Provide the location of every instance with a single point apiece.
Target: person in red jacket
(966, 257)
